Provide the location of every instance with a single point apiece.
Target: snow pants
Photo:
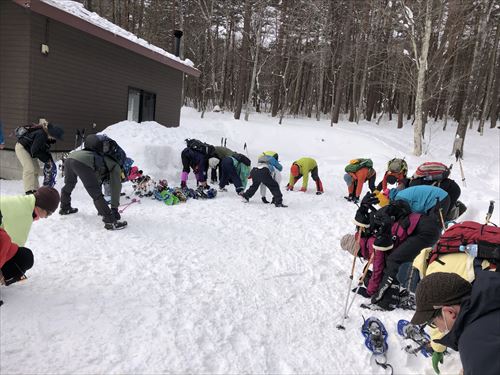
(229, 174)
(31, 168)
(74, 169)
(263, 176)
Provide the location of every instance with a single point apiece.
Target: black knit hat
(47, 198)
(437, 290)
(55, 131)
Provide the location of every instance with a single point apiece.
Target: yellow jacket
(460, 263)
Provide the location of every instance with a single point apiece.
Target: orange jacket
(7, 248)
(360, 176)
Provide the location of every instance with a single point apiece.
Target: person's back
(420, 198)
(17, 216)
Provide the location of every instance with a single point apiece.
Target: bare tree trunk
(495, 99)
(254, 70)
(240, 91)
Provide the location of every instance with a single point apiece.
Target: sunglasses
(431, 323)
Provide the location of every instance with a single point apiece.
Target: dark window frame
(141, 102)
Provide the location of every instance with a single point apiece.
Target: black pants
(229, 174)
(426, 234)
(13, 270)
(263, 176)
(73, 169)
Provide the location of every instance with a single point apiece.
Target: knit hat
(213, 162)
(437, 290)
(348, 243)
(55, 131)
(294, 170)
(47, 198)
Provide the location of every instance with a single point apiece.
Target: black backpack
(21, 131)
(102, 145)
(200, 146)
(242, 159)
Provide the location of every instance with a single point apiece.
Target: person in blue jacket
(423, 198)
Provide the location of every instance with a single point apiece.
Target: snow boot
(280, 205)
(319, 187)
(68, 211)
(116, 225)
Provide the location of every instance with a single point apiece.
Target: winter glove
(303, 189)
(116, 214)
(369, 199)
(289, 187)
(264, 200)
(355, 199)
(362, 292)
(437, 358)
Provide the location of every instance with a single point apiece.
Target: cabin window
(141, 105)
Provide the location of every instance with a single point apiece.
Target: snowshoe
(417, 339)
(375, 336)
(68, 211)
(200, 192)
(180, 194)
(406, 300)
(116, 225)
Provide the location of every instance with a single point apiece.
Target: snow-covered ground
(219, 286)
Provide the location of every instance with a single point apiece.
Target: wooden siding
(84, 80)
(14, 68)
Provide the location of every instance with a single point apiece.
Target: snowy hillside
(219, 286)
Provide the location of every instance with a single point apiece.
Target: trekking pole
(490, 212)
(458, 156)
(442, 218)
(351, 276)
(361, 280)
(246, 148)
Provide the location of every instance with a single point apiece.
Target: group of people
(417, 263)
(413, 212)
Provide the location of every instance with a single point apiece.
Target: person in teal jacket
(422, 198)
(18, 212)
(301, 168)
(234, 169)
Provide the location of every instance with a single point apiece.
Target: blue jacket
(420, 198)
(273, 163)
(476, 331)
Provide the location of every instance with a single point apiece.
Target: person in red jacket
(14, 260)
(356, 180)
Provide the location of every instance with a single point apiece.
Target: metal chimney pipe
(178, 35)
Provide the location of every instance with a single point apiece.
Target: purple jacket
(379, 259)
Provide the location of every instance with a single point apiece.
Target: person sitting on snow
(301, 168)
(355, 181)
(262, 175)
(396, 235)
(93, 170)
(14, 260)
(198, 162)
(18, 212)
(468, 316)
(234, 169)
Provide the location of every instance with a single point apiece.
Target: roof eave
(69, 19)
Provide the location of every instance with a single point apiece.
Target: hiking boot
(348, 198)
(243, 197)
(280, 205)
(383, 242)
(68, 211)
(116, 225)
(386, 283)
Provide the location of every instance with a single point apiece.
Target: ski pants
(31, 168)
(73, 169)
(426, 234)
(229, 174)
(263, 176)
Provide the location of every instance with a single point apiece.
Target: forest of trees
(362, 59)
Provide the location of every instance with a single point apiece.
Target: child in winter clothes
(262, 175)
(34, 146)
(18, 212)
(301, 168)
(220, 153)
(14, 260)
(275, 168)
(234, 170)
(356, 180)
(198, 162)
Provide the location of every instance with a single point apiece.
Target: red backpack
(432, 171)
(468, 232)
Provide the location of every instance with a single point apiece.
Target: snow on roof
(78, 10)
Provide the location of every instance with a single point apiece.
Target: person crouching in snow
(198, 162)
(301, 168)
(234, 169)
(14, 260)
(275, 168)
(220, 152)
(355, 177)
(18, 212)
(262, 176)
